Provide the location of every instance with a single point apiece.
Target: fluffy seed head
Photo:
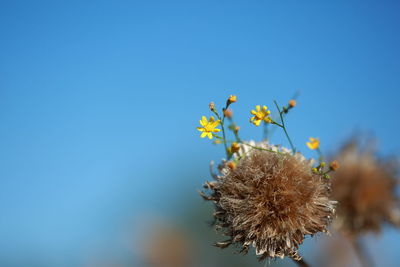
(365, 189)
(270, 201)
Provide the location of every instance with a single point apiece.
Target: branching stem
(284, 128)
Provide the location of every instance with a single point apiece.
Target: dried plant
(265, 196)
(270, 201)
(365, 188)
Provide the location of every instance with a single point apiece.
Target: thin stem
(223, 132)
(320, 155)
(363, 256)
(284, 128)
(233, 125)
(265, 149)
(301, 262)
(267, 132)
(241, 142)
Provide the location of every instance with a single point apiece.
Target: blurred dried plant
(365, 187)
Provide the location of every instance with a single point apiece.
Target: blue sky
(99, 101)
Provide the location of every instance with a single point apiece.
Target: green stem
(265, 149)
(320, 155)
(223, 133)
(266, 132)
(233, 126)
(246, 144)
(284, 128)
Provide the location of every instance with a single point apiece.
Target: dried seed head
(271, 201)
(365, 189)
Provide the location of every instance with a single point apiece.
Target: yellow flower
(232, 99)
(208, 127)
(260, 115)
(313, 144)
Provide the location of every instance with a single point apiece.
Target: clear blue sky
(99, 101)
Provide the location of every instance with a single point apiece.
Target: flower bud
(211, 106)
(231, 99)
(326, 176)
(228, 113)
(231, 165)
(235, 147)
(334, 165)
(292, 103)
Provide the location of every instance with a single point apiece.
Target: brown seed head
(365, 189)
(270, 201)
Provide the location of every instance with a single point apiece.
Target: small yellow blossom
(209, 127)
(260, 115)
(232, 99)
(313, 144)
(235, 147)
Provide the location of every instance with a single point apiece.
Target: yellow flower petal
(201, 129)
(209, 135)
(203, 134)
(313, 144)
(215, 124)
(203, 121)
(268, 119)
(258, 107)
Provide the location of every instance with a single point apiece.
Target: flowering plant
(266, 196)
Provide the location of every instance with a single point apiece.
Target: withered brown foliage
(365, 189)
(270, 201)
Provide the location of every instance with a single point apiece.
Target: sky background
(99, 103)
